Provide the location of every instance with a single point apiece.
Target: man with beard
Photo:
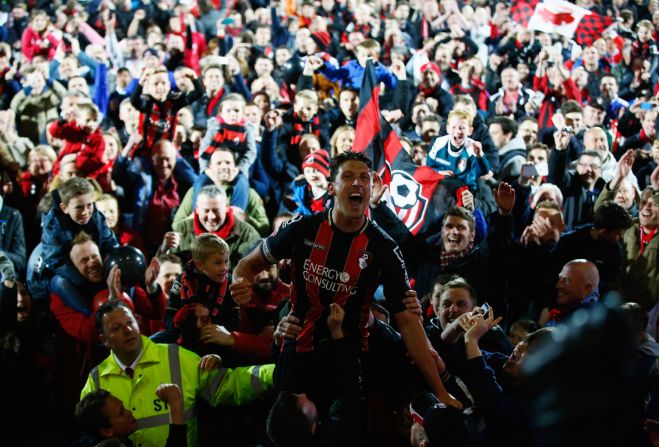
(251, 342)
(596, 139)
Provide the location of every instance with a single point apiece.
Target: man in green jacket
(640, 274)
(136, 367)
(212, 214)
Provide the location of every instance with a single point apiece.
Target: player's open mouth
(356, 198)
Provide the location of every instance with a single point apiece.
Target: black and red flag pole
(411, 186)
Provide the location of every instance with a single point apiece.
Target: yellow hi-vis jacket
(161, 363)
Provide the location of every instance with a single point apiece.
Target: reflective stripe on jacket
(161, 363)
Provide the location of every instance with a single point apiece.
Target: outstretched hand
(151, 275)
(625, 164)
(505, 198)
(477, 325)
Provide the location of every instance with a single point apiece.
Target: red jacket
(89, 148)
(31, 44)
(548, 107)
(82, 327)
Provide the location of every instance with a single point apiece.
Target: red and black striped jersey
(331, 266)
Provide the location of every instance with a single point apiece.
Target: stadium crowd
(288, 297)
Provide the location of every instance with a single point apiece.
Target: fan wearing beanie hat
(310, 191)
(322, 40)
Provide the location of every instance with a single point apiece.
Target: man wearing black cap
(594, 113)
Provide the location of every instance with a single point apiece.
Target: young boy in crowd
(73, 211)
(645, 48)
(304, 119)
(457, 155)
(521, 329)
(205, 280)
(159, 106)
(231, 130)
(82, 136)
(310, 191)
(352, 73)
(102, 416)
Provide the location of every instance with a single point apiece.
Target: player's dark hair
(346, 157)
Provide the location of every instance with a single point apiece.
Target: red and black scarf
(300, 128)
(159, 123)
(213, 102)
(447, 259)
(198, 288)
(232, 136)
(428, 91)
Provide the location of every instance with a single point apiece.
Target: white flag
(557, 16)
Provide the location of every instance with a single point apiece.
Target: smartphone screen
(529, 171)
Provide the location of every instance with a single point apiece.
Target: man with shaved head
(576, 289)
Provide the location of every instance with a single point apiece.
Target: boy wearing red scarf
(205, 280)
(230, 130)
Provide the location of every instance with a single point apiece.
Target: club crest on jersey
(365, 259)
(462, 164)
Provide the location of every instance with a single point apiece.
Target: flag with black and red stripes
(411, 187)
